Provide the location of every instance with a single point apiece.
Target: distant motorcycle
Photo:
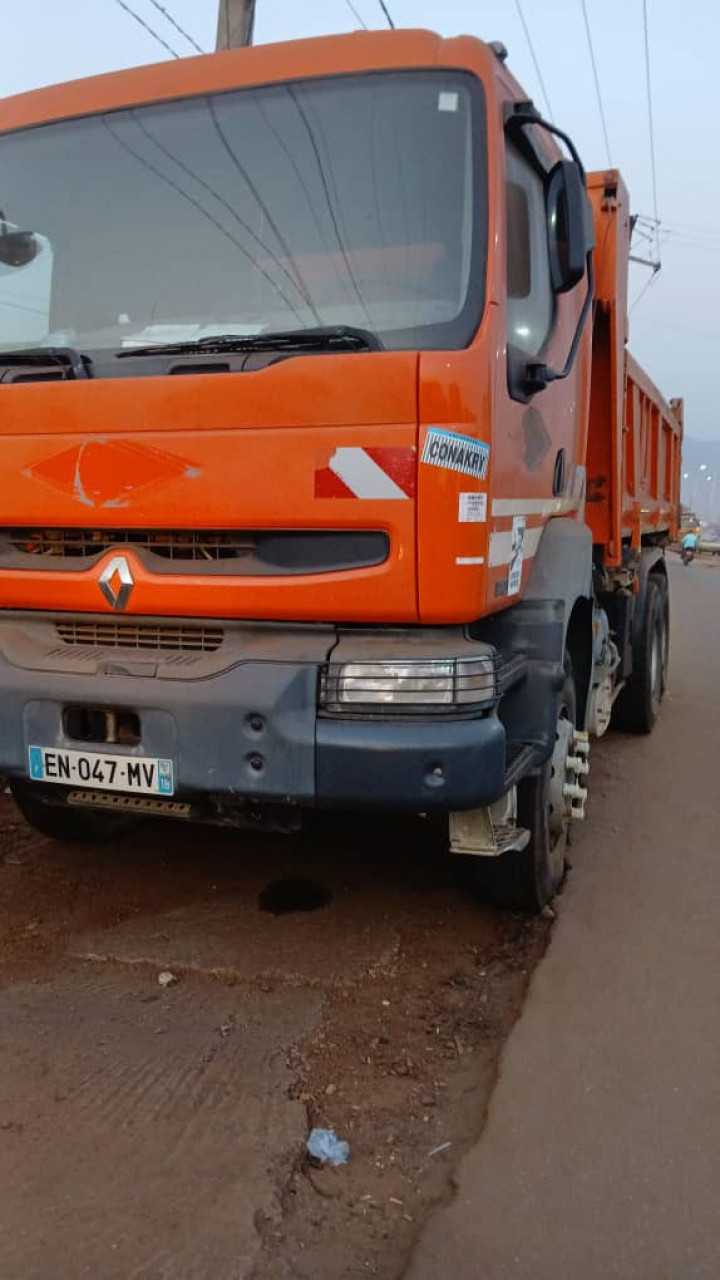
(687, 555)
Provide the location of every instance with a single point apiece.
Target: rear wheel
(637, 706)
(66, 823)
(664, 589)
(528, 879)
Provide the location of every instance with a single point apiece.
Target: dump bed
(634, 434)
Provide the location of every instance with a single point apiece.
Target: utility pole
(236, 19)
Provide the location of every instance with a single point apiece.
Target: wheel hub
(569, 768)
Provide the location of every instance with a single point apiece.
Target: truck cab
(296, 367)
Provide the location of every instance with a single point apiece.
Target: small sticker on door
(472, 508)
(447, 101)
(516, 555)
(455, 452)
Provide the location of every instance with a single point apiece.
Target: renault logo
(116, 582)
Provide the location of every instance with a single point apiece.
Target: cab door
(539, 438)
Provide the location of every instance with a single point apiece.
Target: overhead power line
(653, 231)
(650, 111)
(648, 284)
(695, 227)
(356, 15)
(533, 55)
(190, 39)
(151, 31)
(684, 235)
(386, 11)
(674, 240)
(597, 82)
(197, 205)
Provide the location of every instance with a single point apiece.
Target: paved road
(601, 1154)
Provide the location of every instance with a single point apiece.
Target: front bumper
(414, 765)
(245, 726)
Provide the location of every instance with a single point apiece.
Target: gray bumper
(247, 727)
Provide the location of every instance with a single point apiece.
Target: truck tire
(664, 589)
(66, 823)
(528, 880)
(637, 706)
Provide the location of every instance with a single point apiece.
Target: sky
(674, 325)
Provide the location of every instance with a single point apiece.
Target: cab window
(529, 292)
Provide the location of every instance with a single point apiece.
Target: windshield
(349, 201)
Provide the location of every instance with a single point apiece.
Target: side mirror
(565, 205)
(570, 246)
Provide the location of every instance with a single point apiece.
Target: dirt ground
(152, 1132)
(158, 1133)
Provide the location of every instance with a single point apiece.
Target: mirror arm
(538, 376)
(520, 114)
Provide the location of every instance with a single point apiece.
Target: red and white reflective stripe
(381, 473)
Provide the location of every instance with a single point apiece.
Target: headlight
(419, 685)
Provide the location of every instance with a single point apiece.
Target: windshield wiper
(76, 362)
(337, 337)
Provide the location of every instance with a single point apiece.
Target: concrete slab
(235, 940)
(143, 1132)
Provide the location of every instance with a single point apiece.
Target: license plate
(144, 775)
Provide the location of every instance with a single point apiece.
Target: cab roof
(236, 68)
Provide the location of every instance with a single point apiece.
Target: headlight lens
(419, 685)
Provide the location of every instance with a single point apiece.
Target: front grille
(250, 552)
(171, 544)
(128, 635)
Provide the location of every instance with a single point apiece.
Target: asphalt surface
(601, 1154)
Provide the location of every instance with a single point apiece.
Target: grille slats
(140, 636)
(171, 544)
(250, 552)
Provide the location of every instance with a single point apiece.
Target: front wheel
(66, 823)
(528, 879)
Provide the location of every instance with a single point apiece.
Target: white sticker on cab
(472, 508)
(517, 548)
(447, 101)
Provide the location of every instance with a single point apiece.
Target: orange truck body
(121, 460)
(635, 436)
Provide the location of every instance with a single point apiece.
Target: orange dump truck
(327, 477)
